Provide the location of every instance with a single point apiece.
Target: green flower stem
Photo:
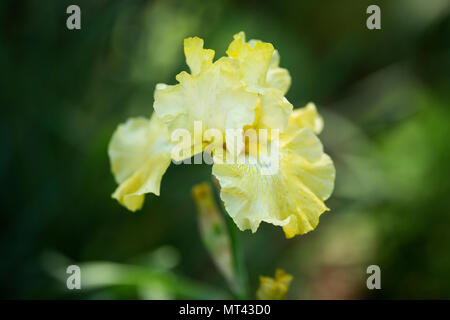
(238, 259)
(237, 252)
(214, 233)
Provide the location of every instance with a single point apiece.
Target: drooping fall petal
(139, 153)
(284, 185)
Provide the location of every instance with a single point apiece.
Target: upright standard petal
(139, 153)
(268, 73)
(285, 186)
(254, 59)
(213, 95)
(259, 67)
(197, 58)
(273, 111)
(277, 77)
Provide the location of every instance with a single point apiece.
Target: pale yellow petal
(215, 97)
(273, 110)
(285, 188)
(125, 193)
(197, 58)
(127, 148)
(307, 117)
(278, 78)
(139, 152)
(254, 59)
(275, 77)
(259, 66)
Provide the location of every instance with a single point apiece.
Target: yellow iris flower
(243, 90)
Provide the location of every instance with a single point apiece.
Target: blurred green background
(384, 95)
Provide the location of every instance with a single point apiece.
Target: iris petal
(307, 117)
(213, 94)
(292, 196)
(139, 153)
